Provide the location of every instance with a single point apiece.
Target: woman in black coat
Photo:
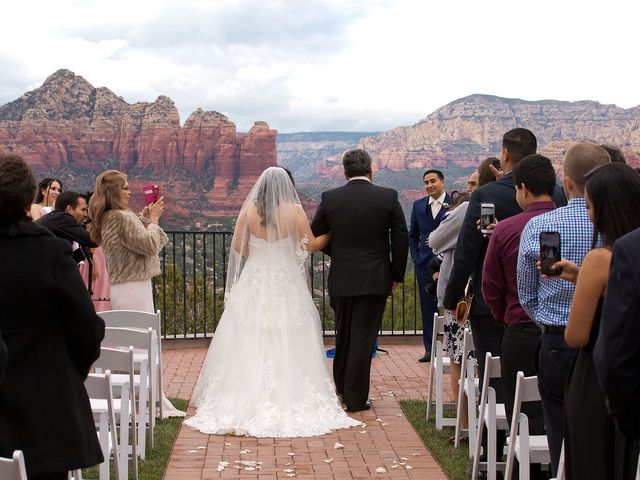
(52, 335)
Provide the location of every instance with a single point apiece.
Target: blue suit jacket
(421, 225)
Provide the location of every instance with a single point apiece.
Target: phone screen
(151, 194)
(550, 252)
(487, 216)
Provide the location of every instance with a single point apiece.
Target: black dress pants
(554, 363)
(358, 321)
(518, 353)
(487, 337)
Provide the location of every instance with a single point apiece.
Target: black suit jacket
(369, 242)
(63, 225)
(471, 247)
(617, 350)
(53, 335)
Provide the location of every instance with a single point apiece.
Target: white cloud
(325, 64)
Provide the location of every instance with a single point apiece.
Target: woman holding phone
(594, 447)
(131, 244)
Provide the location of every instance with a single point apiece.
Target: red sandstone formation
(67, 125)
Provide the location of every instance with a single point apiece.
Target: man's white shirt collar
(361, 177)
(439, 200)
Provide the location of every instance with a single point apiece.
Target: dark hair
(537, 174)
(519, 142)
(66, 199)
(614, 193)
(614, 153)
(289, 173)
(17, 188)
(46, 185)
(461, 198)
(485, 175)
(356, 162)
(433, 170)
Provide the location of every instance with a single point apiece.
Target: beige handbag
(464, 305)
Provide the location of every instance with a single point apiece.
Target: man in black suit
(472, 247)
(67, 222)
(617, 350)
(369, 247)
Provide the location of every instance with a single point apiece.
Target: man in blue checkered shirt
(547, 300)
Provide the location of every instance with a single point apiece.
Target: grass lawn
(454, 461)
(153, 467)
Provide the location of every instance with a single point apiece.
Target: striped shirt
(548, 300)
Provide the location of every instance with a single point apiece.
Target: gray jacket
(443, 241)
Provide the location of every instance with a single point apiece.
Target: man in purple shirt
(535, 181)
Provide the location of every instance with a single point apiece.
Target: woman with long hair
(47, 193)
(131, 245)
(594, 447)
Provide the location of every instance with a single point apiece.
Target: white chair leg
(430, 391)
(143, 411)
(104, 443)
(439, 392)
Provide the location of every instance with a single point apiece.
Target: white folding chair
(142, 341)
(522, 446)
(493, 416)
(99, 390)
(13, 468)
(143, 321)
(468, 389)
(117, 360)
(438, 367)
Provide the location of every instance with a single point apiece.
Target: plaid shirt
(548, 300)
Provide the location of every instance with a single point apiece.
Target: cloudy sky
(326, 64)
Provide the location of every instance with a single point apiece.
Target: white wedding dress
(265, 374)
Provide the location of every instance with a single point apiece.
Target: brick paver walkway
(388, 439)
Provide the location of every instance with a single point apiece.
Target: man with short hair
(426, 215)
(547, 300)
(472, 246)
(368, 252)
(67, 221)
(535, 180)
(472, 183)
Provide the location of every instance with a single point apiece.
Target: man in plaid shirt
(547, 300)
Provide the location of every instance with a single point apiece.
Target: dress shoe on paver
(366, 406)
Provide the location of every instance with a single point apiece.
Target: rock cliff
(469, 129)
(68, 127)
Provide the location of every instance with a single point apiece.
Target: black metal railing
(190, 290)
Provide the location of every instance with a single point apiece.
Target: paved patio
(388, 441)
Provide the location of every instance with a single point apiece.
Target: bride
(265, 373)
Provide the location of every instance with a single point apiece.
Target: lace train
(265, 374)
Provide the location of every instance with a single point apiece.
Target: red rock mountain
(69, 128)
(465, 131)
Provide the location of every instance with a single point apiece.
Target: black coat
(63, 225)
(369, 239)
(53, 335)
(471, 247)
(617, 351)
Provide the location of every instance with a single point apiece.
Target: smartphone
(151, 193)
(550, 253)
(487, 216)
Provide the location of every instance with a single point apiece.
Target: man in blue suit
(425, 218)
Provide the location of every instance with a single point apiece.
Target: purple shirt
(499, 284)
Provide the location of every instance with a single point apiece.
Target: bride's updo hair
(275, 186)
